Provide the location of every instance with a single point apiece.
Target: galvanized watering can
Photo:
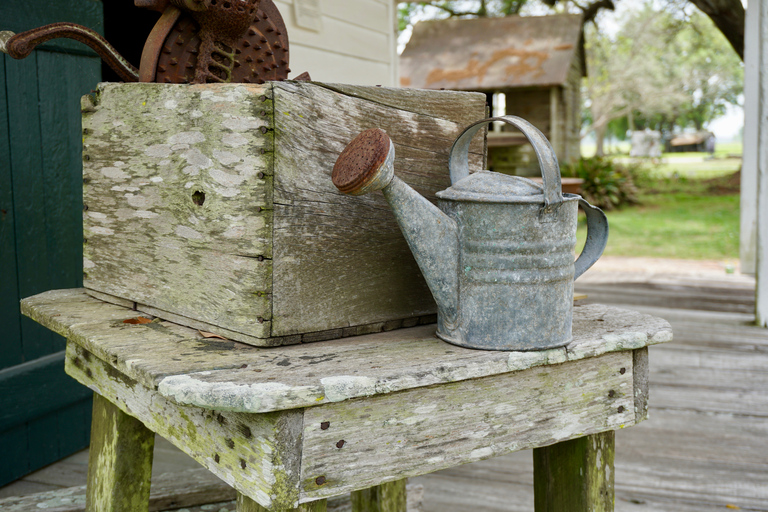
(498, 252)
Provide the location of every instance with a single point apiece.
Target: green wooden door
(44, 415)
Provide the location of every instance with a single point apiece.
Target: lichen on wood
(212, 205)
(119, 461)
(255, 454)
(178, 197)
(576, 474)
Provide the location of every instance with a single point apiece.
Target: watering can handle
(458, 163)
(597, 238)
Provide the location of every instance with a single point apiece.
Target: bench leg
(575, 475)
(119, 460)
(246, 504)
(389, 497)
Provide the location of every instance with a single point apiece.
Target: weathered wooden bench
(289, 427)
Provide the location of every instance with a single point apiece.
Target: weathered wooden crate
(213, 206)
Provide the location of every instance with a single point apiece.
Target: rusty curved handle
(21, 45)
(550, 170)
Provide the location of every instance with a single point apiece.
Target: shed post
(554, 132)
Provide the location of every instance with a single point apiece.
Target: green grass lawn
(681, 166)
(722, 149)
(679, 218)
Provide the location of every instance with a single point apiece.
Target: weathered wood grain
(222, 375)
(178, 199)
(441, 104)
(349, 369)
(640, 365)
(576, 474)
(169, 491)
(710, 482)
(735, 299)
(181, 214)
(255, 454)
(245, 504)
(421, 430)
(119, 462)
(388, 497)
(340, 260)
(713, 359)
(701, 438)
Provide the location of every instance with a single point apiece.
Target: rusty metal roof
(491, 53)
(686, 139)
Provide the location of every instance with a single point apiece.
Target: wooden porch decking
(704, 448)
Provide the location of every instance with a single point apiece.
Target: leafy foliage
(607, 184)
(660, 70)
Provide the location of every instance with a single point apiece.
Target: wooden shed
(529, 66)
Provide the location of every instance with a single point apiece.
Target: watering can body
(497, 252)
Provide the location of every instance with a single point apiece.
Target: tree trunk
(600, 139)
(728, 16)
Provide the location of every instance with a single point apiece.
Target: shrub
(607, 184)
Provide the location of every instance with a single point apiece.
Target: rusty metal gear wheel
(260, 55)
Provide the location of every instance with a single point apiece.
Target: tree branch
(445, 8)
(728, 16)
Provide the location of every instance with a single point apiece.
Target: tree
(712, 76)
(728, 16)
(492, 8)
(665, 69)
(631, 72)
(457, 8)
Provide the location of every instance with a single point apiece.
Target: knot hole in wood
(198, 198)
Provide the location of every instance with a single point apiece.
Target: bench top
(190, 369)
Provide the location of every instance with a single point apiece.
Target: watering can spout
(367, 164)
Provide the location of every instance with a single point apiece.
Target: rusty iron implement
(194, 41)
(497, 254)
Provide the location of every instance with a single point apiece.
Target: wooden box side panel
(427, 429)
(178, 200)
(339, 260)
(257, 454)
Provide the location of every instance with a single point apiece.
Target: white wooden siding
(356, 45)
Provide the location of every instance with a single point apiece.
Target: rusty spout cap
(366, 164)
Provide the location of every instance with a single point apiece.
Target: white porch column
(761, 107)
(748, 228)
